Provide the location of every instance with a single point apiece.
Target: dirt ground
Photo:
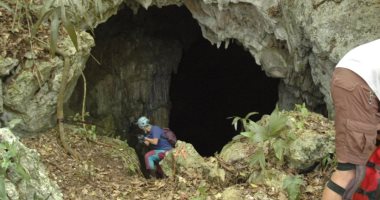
(106, 172)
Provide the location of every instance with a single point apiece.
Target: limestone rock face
(36, 184)
(310, 147)
(235, 151)
(7, 64)
(132, 81)
(159, 3)
(298, 41)
(32, 93)
(183, 158)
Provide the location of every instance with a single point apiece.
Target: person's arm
(153, 141)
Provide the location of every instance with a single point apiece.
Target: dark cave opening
(213, 84)
(210, 84)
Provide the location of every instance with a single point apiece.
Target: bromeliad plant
(271, 140)
(270, 133)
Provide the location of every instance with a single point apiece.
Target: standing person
(355, 90)
(159, 143)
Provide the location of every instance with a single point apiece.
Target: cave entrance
(213, 84)
(156, 63)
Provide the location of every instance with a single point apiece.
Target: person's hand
(146, 141)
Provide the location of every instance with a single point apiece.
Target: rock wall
(30, 91)
(295, 40)
(134, 79)
(131, 81)
(298, 41)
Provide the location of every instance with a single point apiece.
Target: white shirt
(364, 60)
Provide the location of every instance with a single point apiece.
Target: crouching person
(159, 144)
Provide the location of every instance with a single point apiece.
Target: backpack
(370, 186)
(170, 136)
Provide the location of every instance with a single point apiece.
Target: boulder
(25, 177)
(182, 159)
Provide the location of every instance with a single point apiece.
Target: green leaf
(235, 122)
(291, 136)
(12, 150)
(260, 133)
(40, 20)
(279, 147)
(3, 146)
(22, 171)
(292, 184)
(302, 109)
(54, 31)
(250, 114)
(47, 6)
(247, 134)
(69, 28)
(3, 192)
(259, 158)
(276, 123)
(237, 137)
(6, 6)
(5, 164)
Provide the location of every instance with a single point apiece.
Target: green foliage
(302, 109)
(276, 124)
(58, 16)
(272, 132)
(279, 147)
(272, 141)
(10, 159)
(6, 6)
(21, 13)
(328, 162)
(89, 131)
(245, 121)
(304, 114)
(259, 158)
(292, 184)
(202, 193)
